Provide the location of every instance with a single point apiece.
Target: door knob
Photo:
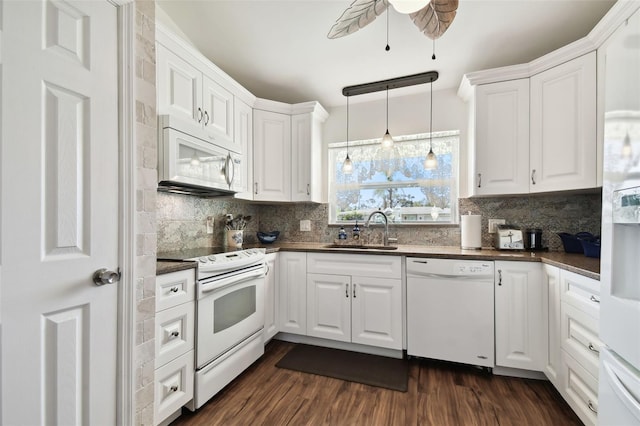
(104, 276)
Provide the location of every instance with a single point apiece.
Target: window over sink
(395, 180)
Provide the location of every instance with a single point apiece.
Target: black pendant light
(347, 166)
(431, 162)
(387, 140)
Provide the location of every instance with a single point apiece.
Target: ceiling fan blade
(434, 19)
(356, 16)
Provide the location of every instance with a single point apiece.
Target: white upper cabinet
(288, 156)
(243, 139)
(501, 147)
(187, 91)
(271, 156)
(563, 126)
(179, 86)
(533, 127)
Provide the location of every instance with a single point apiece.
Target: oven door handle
(234, 280)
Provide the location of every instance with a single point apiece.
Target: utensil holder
(234, 238)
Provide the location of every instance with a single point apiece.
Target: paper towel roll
(470, 230)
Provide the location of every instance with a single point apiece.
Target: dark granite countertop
(578, 263)
(168, 266)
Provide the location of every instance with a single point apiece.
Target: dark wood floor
(439, 394)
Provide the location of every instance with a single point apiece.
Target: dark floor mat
(373, 370)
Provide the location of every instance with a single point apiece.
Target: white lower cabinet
(580, 343)
(292, 310)
(271, 294)
(519, 315)
(350, 304)
(174, 337)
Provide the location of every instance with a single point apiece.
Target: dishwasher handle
(450, 276)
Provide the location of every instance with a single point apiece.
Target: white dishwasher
(450, 310)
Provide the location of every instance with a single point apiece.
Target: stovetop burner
(214, 261)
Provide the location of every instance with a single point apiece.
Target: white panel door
(502, 138)
(563, 126)
(218, 111)
(329, 306)
(519, 321)
(59, 212)
(292, 267)
(376, 317)
(179, 86)
(271, 156)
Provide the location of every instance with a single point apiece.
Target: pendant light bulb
(387, 140)
(195, 160)
(347, 166)
(431, 162)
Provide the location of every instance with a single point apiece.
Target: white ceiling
(279, 50)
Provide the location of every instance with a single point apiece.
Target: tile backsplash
(182, 220)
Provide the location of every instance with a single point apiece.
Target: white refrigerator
(619, 374)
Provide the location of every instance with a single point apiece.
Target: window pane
(395, 181)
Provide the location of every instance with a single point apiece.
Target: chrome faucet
(386, 225)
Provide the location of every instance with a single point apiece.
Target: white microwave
(190, 164)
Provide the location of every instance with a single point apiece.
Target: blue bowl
(591, 248)
(572, 243)
(267, 237)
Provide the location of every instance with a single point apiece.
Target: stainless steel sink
(360, 247)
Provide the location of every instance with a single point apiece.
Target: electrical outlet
(210, 222)
(305, 225)
(493, 223)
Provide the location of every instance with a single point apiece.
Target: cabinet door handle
(173, 388)
(479, 180)
(308, 189)
(593, 348)
(206, 118)
(255, 188)
(346, 291)
(533, 176)
(354, 291)
(199, 115)
(499, 276)
(591, 407)
(594, 299)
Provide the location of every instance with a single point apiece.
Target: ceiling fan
(432, 17)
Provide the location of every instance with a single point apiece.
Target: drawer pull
(174, 289)
(174, 388)
(594, 299)
(591, 407)
(177, 333)
(593, 348)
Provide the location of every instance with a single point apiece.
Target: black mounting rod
(392, 83)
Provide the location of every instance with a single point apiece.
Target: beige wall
(146, 184)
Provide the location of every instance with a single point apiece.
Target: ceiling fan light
(387, 140)
(408, 6)
(347, 166)
(431, 162)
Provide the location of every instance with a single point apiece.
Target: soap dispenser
(356, 231)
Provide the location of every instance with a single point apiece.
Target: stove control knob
(202, 260)
(212, 258)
